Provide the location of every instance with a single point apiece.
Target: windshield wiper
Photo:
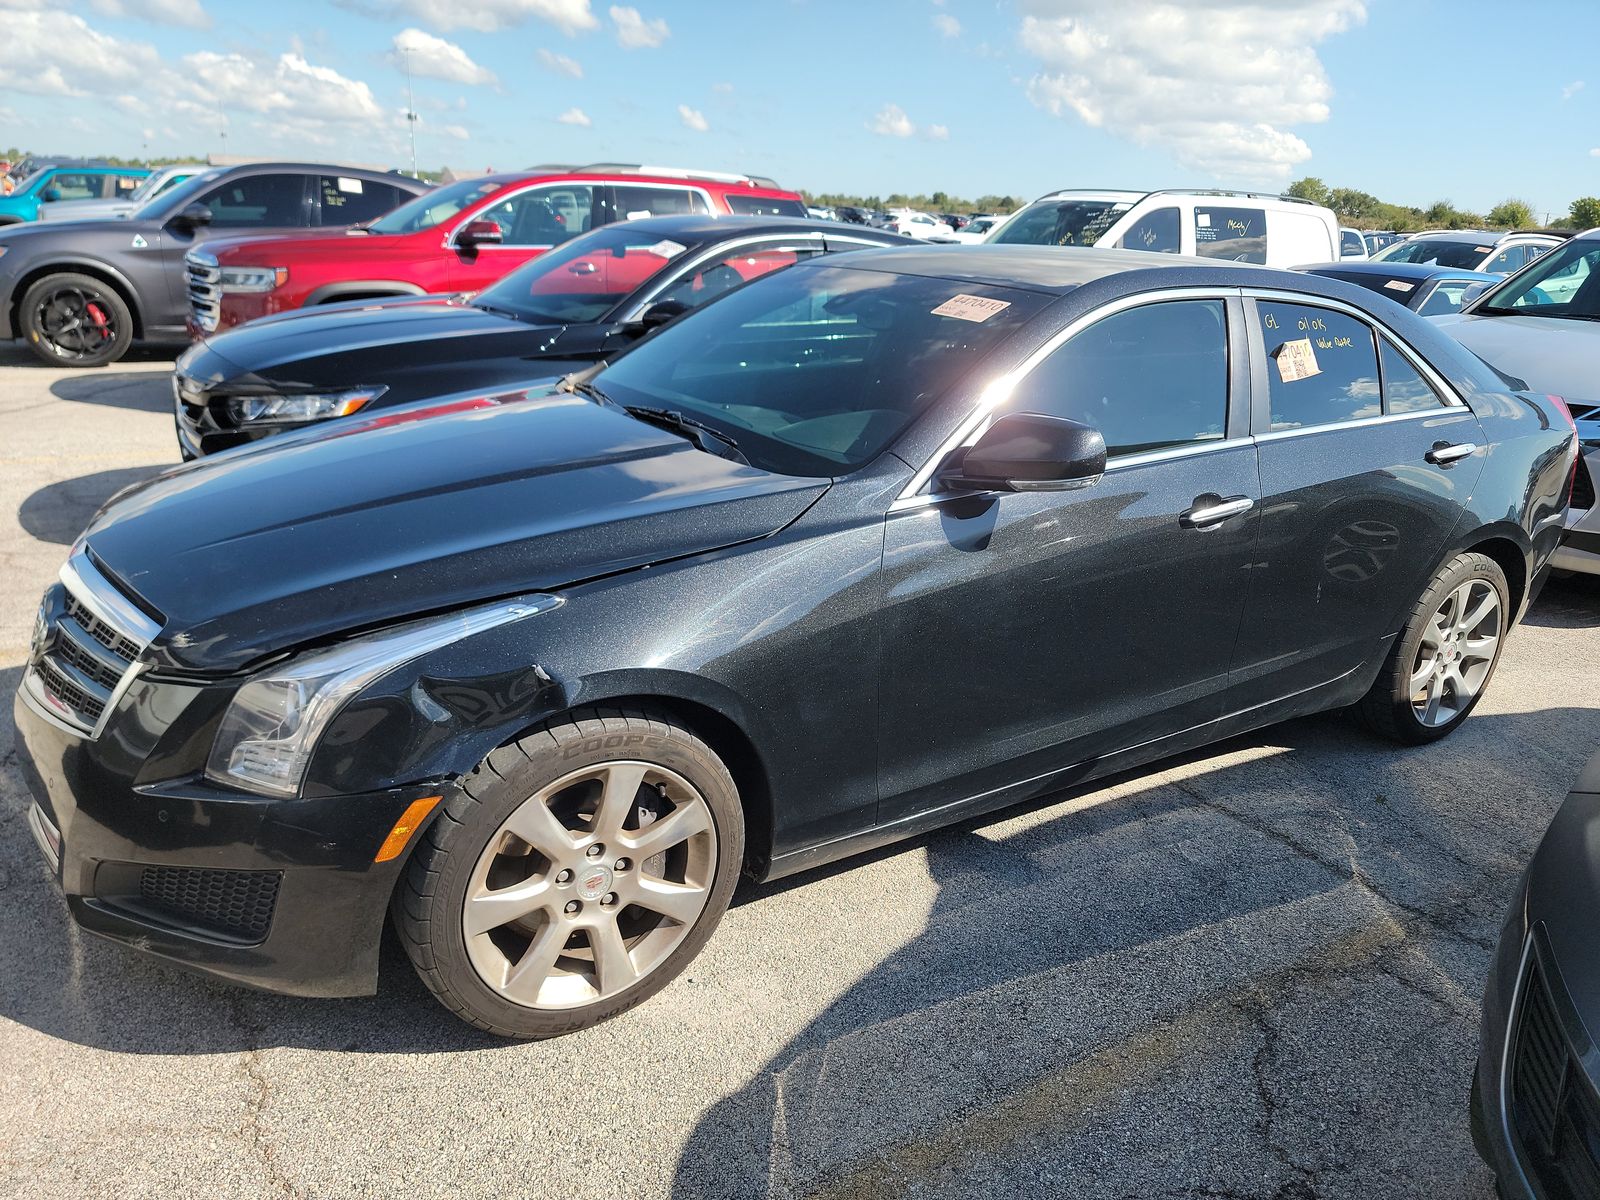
(702, 436)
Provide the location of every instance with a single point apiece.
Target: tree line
(938, 202)
(1365, 211)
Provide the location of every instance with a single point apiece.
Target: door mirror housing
(193, 217)
(1473, 291)
(1030, 452)
(51, 194)
(658, 314)
(479, 233)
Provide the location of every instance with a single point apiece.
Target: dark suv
(80, 293)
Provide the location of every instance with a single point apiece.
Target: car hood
(413, 325)
(303, 537)
(248, 249)
(1550, 354)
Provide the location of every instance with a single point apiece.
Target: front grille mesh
(60, 686)
(205, 292)
(237, 904)
(123, 647)
(1553, 1111)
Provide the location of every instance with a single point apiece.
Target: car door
(531, 221)
(1366, 461)
(1029, 631)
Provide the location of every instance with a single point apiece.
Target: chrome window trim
(706, 255)
(999, 390)
(1278, 435)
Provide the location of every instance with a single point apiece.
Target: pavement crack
(1302, 1182)
(253, 1130)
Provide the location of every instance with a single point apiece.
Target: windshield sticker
(666, 248)
(1399, 285)
(970, 308)
(353, 186)
(1484, 249)
(1297, 360)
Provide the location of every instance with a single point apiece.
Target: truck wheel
(577, 871)
(1445, 656)
(72, 320)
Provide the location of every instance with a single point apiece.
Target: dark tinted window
(1236, 234)
(1350, 242)
(1146, 378)
(1404, 388)
(350, 201)
(1462, 255)
(259, 201)
(1160, 231)
(763, 206)
(1322, 366)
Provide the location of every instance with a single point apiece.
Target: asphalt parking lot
(1253, 973)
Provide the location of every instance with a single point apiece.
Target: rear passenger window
(1322, 366)
(634, 202)
(1160, 231)
(1236, 234)
(763, 206)
(1404, 388)
(1147, 378)
(349, 201)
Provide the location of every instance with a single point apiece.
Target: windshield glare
(1463, 256)
(1061, 223)
(815, 370)
(430, 208)
(1559, 284)
(583, 280)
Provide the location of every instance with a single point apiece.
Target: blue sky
(1396, 97)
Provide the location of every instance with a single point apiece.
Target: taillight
(1577, 452)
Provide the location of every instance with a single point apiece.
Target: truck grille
(1553, 1110)
(82, 655)
(205, 289)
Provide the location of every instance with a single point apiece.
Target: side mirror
(1473, 291)
(1030, 452)
(659, 313)
(193, 217)
(479, 233)
(50, 194)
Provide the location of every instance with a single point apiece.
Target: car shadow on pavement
(1571, 601)
(58, 513)
(143, 391)
(17, 354)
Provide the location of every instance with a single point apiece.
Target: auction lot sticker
(1297, 360)
(970, 308)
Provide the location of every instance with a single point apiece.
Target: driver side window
(1147, 378)
(712, 278)
(258, 202)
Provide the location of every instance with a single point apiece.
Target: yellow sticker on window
(1297, 360)
(970, 308)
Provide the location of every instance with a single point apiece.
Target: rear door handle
(1443, 453)
(1213, 510)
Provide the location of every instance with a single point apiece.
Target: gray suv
(80, 292)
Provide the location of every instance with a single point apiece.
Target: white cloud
(1595, 153)
(435, 58)
(561, 64)
(166, 12)
(693, 118)
(1572, 89)
(947, 25)
(636, 33)
(459, 132)
(291, 87)
(939, 133)
(575, 116)
(488, 16)
(1213, 82)
(58, 54)
(892, 121)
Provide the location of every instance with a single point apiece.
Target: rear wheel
(578, 872)
(72, 320)
(1445, 656)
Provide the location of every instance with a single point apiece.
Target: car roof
(1056, 269)
(1396, 270)
(704, 227)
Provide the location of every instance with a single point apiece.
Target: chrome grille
(86, 650)
(205, 289)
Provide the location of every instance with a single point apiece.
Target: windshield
(1560, 284)
(1464, 256)
(31, 180)
(815, 370)
(175, 199)
(1061, 223)
(583, 280)
(430, 208)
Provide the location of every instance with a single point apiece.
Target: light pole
(411, 112)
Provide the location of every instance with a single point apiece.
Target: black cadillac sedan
(563, 311)
(869, 545)
(1536, 1094)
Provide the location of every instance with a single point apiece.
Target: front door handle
(1213, 510)
(1443, 453)
(583, 268)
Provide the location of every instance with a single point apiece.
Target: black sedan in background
(875, 543)
(565, 310)
(1536, 1094)
(1425, 288)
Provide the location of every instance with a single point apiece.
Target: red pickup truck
(457, 238)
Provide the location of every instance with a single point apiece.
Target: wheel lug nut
(563, 876)
(608, 899)
(573, 906)
(622, 864)
(595, 851)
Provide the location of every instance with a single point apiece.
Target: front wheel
(1445, 656)
(579, 870)
(72, 320)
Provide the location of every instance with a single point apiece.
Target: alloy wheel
(1457, 652)
(75, 322)
(589, 885)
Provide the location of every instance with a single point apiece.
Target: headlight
(253, 279)
(290, 410)
(271, 728)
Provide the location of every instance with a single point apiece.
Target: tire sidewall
(108, 294)
(1464, 568)
(545, 759)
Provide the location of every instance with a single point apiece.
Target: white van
(1252, 227)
